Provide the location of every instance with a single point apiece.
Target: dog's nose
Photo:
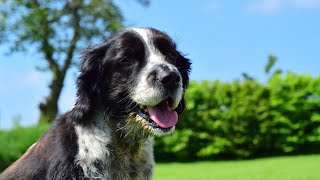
(169, 78)
(164, 76)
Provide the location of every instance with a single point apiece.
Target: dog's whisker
(124, 99)
(123, 127)
(129, 108)
(127, 133)
(105, 114)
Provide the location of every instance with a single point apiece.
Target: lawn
(278, 168)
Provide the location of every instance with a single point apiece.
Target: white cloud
(211, 7)
(307, 3)
(15, 81)
(272, 6)
(265, 6)
(35, 78)
(67, 100)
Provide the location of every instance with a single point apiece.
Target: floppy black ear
(91, 68)
(184, 66)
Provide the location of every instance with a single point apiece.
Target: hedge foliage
(245, 119)
(14, 142)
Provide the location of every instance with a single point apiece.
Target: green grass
(14, 142)
(278, 168)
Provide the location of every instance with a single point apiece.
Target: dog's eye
(126, 61)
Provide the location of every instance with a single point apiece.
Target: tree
(57, 29)
(272, 59)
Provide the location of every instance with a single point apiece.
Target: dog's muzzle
(160, 118)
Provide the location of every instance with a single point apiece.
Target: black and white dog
(129, 88)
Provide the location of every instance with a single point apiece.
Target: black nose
(169, 79)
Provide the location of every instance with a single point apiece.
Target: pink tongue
(162, 115)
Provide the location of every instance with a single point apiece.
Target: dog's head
(137, 76)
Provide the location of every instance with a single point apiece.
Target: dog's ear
(181, 107)
(184, 66)
(91, 70)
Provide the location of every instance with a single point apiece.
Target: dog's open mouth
(160, 116)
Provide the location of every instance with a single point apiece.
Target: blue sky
(223, 38)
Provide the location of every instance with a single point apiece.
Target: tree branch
(63, 12)
(46, 47)
(76, 35)
(49, 56)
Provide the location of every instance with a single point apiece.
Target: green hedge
(14, 142)
(245, 119)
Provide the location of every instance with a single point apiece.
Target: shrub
(14, 142)
(246, 119)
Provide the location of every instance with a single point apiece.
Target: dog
(129, 88)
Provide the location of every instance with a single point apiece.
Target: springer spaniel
(129, 88)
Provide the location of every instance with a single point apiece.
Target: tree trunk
(49, 108)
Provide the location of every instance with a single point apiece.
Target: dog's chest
(127, 166)
(100, 157)
(132, 167)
